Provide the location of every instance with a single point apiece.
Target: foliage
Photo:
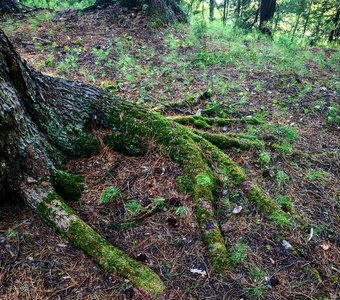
(237, 254)
(110, 193)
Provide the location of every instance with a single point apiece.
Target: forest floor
(294, 92)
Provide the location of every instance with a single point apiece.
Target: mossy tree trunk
(9, 6)
(45, 119)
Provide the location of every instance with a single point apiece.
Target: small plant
(314, 175)
(101, 55)
(10, 233)
(281, 177)
(181, 211)
(264, 158)
(110, 193)
(256, 291)
(333, 116)
(286, 203)
(133, 207)
(280, 219)
(257, 274)
(238, 254)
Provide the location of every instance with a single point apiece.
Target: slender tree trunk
(267, 11)
(335, 32)
(225, 11)
(296, 26)
(9, 6)
(307, 17)
(211, 10)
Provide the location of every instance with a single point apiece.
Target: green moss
(224, 162)
(128, 145)
(200, 124)
(238, 254)
(113, 259)
(286, 203)
(84, 145)
(226, 142)
(61, 217)
(204, 179)
(280, 219)
(268, 206)
(198, 177)
(68, 185)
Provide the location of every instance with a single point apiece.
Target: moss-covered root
(201, 122)
(225, 142)
(62, 218)
(265, 204)
(198, 177)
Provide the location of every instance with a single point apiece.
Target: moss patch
(127, 145)
(68, 186)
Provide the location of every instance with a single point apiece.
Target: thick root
(225, 141)
(57, 214)
(201, 122)
(198, 177)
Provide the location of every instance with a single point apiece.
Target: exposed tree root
(58, 215)
(57, 114)
(224, 141)
(201, 122)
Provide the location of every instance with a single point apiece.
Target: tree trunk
(335, 32)
(211, 10)
(307, 16)
(9, 6)
(45, 119)
(267, 10)
(166, 11)
(225, 11)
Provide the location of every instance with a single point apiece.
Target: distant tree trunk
(335, 32)
(296, 26)
(238, 8)
(267, 11)
(167, 11)
(211, 10)
(9, 6)
(225, 11)
(307, 17)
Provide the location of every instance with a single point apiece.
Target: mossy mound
(128, 145)
(67, 185)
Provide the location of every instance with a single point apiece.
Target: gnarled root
(58, 215)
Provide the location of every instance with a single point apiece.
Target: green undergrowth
(111, 193)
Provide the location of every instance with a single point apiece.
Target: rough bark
(267, 11)
(9, 6)
(41, 119)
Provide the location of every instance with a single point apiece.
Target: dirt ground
(35, 263)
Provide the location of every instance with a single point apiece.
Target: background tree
(267, 10)
(167, 11)
(9, 6)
